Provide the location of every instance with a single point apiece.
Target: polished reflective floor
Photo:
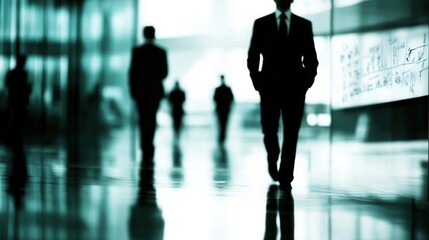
(200, 190)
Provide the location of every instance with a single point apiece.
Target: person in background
(177, 98)
(19, 90)
(223, 98)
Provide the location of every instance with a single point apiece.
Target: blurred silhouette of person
(146, 220)
(223, 98)
(176, 174)
(222, 175)
(176, 98)
(147, 72)
(19, 91)
(279, 204)
(289, 67)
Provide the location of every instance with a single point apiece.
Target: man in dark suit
(177, 98)
(147, 71)
(19, 91)
(223, 98)
(289, 67)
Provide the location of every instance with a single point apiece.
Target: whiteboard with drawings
(379, 67)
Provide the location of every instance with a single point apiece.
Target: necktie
(282, 26)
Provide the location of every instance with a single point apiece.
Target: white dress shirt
(288, 14)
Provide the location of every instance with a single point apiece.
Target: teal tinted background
(79, 57)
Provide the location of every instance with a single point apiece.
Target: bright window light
(173, 18)
(323, 119)
(312, 119)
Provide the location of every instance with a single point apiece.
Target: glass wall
(78, 54)
(380, 96)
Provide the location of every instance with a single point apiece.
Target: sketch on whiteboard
(380, 67)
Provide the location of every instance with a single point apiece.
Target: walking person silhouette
(147, 72)
(289, 67)
(177, 98)
(19, 91)
(223, 98)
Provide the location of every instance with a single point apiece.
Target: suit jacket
(223, 98)
(177, 97)
(147, 71)
(288, 65)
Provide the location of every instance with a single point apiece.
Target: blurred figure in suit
(147, 72)
(19, 91)
(223, 98)
(177, 98)
(289, 67)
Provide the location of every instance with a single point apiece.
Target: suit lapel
(292, 26)
(273, 24)
(272, 30)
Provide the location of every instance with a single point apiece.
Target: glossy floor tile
(199, 190)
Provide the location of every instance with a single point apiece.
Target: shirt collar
(288, 14)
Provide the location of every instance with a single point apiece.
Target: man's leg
(292, 112)
(148, 112)
(223, 122)
(270, 114)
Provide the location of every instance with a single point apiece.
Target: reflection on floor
(198, 190)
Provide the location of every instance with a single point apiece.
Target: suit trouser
(223, 116)
(147, 109)
(19, 169)
(177, 121)
(291, 107)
